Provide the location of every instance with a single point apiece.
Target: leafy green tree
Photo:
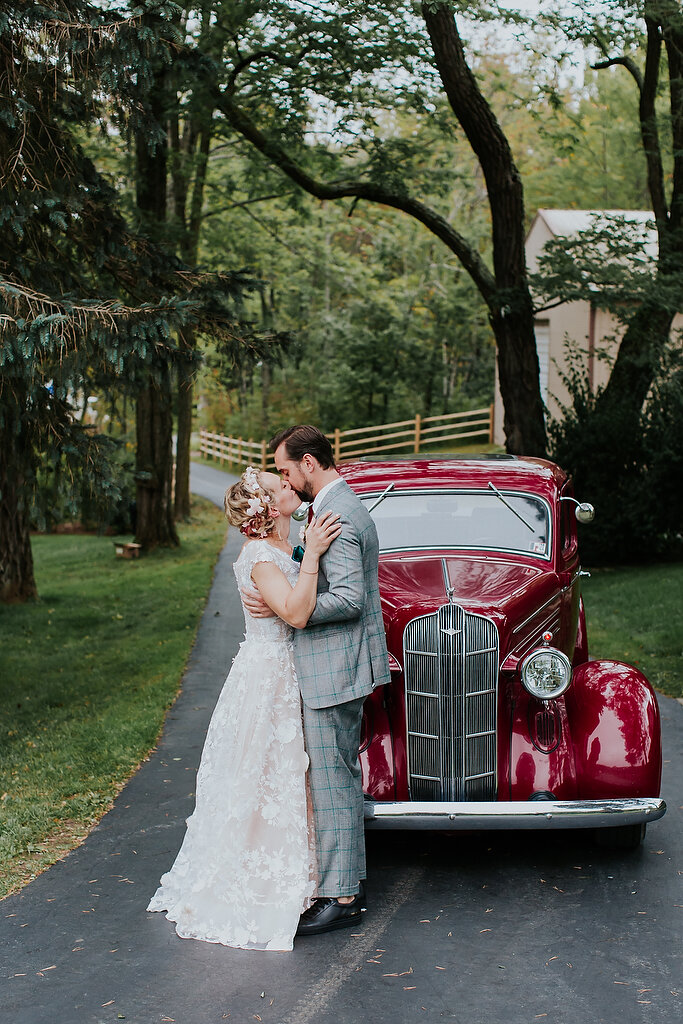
(327, 272)
(644, 40)
(84, 303)
(288, 65)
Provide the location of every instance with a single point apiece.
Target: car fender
(615, 728)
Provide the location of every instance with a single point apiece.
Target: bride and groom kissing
(275, 846)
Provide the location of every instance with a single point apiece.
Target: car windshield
(462, 519)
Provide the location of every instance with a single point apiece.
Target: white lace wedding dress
(246, 869)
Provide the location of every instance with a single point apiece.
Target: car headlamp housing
(546, 673)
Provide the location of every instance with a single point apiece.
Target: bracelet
(309, 572)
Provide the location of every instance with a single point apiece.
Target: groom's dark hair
(304, 440)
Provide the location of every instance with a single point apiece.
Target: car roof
(508, 472)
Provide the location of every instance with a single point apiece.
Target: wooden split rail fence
(414, 436)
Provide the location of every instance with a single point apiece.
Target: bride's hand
(322, 531)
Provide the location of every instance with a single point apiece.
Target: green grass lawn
(634, 615)
(88, 673)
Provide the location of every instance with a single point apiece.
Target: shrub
(635, 480)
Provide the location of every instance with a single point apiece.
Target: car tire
(623, 837)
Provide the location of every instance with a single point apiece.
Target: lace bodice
(261, 551)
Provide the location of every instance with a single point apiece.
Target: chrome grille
(451, 674)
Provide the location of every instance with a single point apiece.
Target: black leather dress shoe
(327, 913)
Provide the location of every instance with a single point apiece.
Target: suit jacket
(341, 654)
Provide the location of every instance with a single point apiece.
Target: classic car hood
(497, 587)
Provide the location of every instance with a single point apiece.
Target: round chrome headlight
(546, 673)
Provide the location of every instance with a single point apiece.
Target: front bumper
(538, 814)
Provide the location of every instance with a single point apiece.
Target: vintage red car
(495, 716)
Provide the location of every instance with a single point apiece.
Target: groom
(340, 658)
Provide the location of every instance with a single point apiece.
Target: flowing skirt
(246, 868)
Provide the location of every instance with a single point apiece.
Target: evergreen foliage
(83, 300)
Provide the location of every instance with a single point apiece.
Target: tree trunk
(154, 418)
(189, 250)
(518, 375)
(155, 525)
(265, 398)
(649, 330)
(637, 361)
(17, 582)
(510, 306)
(182, 469)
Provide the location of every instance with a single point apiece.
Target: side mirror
(584, 512)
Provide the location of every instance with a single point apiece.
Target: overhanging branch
(370, 191)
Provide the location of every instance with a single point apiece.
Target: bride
(246, 868)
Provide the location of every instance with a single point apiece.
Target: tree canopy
(371, 170)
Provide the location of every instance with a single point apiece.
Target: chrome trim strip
(523, 814)
(537, 612)
(535, 638)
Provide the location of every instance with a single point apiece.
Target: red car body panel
(601, 738)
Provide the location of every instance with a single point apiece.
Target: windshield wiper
(381, 497)
(513, 510)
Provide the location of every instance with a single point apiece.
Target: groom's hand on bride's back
(255, 605)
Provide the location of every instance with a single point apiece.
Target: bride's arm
(295, 604)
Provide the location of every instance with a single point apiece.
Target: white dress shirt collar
(322, 492)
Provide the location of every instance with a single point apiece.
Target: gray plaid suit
(341, 656)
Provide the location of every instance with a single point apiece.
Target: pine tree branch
(26, 305)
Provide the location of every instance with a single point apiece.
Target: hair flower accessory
(255, 506)
(251, 480)
(259, 512)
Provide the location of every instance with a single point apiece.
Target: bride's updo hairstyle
(248, 506)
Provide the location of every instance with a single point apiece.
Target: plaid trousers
(332, 737)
